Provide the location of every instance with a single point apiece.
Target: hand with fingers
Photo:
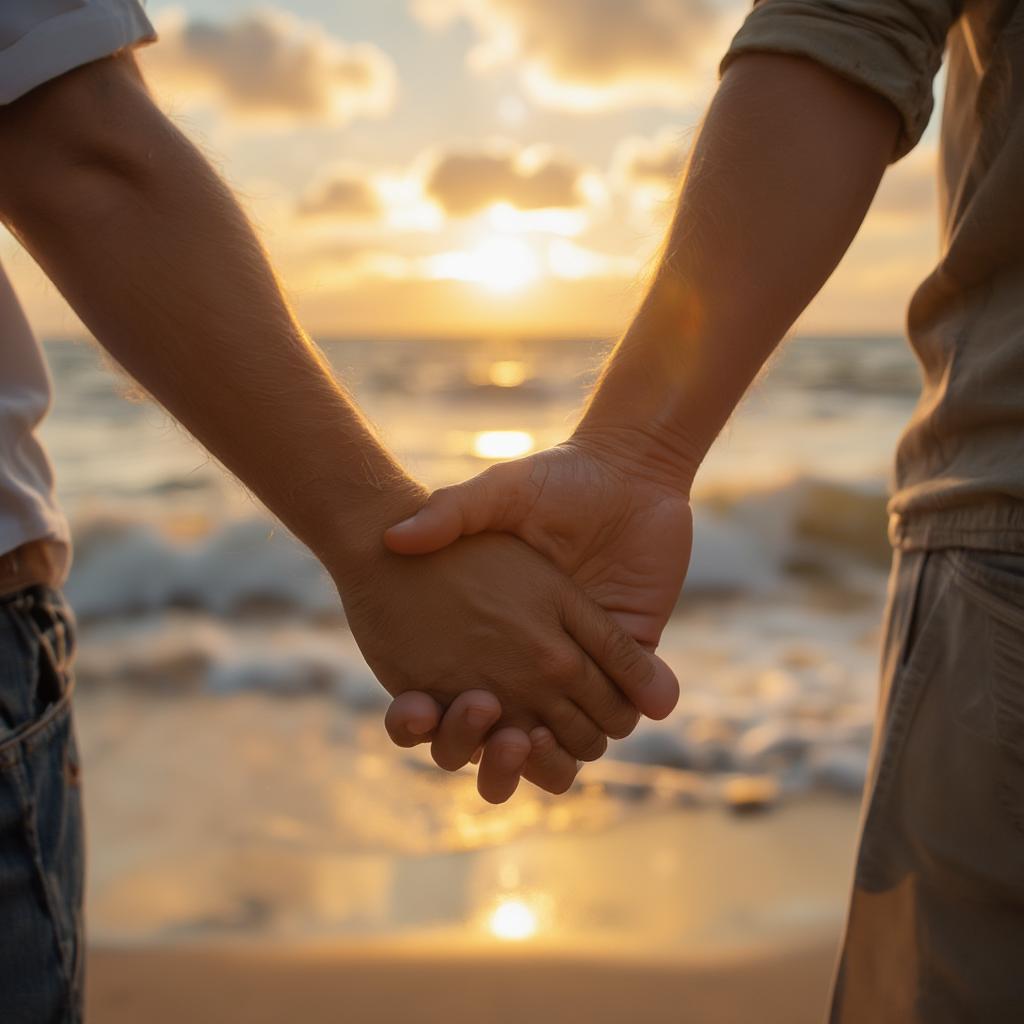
(489, 613)
(621, 531)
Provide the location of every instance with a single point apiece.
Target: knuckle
(561, 665)
(612, 711)
(477, 715)
(568, 720)
(623, 723)
(513, 748)
(594, 748)
(543, 743)
(579, 736)
(628, 658)
(441, 495)
(620, 648)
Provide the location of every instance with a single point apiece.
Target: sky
(475, 168)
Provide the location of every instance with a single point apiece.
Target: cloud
(346, 195)
(909, 188)
(467, 181)
(271, 64)
(596, 54)
(904, 214)
(654, 163)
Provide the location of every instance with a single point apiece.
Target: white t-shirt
(39, 40)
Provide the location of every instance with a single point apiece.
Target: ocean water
(224, 705)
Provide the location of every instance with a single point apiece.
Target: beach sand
(268, 985)
(352, 884)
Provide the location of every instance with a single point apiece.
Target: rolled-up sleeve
(893, 47)
(41, 39)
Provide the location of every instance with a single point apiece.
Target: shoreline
(374, 984)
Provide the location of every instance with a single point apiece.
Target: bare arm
(782, 173)
(152, 251)
(150, 248)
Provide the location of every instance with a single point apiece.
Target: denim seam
(51, 900)
(26, 739)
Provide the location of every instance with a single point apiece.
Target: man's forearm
(782, 173)
(154, 254)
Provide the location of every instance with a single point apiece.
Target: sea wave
(778, 685)
(745, 543)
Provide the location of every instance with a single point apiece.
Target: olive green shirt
(959, 475)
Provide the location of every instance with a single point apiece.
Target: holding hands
(621, 531)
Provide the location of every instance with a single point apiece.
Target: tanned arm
(781, 175)
(150, 248)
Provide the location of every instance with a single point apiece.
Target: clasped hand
(534, 647)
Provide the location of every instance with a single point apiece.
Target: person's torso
(28, 509)
(960, 465)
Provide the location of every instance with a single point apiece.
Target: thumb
(450, 513)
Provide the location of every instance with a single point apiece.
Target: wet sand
(314, 984)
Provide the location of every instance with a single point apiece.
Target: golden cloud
(651, 163)
(467, 181)
(597, 54)
(270, 64)
(909, 188)
(344, 196)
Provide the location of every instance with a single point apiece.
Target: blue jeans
(41, 845)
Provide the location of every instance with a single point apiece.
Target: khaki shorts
(936, 924)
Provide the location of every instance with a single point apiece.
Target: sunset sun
(499, 264)
(505, 264)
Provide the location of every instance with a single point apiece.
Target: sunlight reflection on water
(513, 920)
(502, 444)
(507, 373)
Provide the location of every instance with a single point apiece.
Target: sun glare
(502, 444)
(507, 373)
(500, 264)
(505, 264)
(513, 921)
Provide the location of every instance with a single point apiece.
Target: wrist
(348, 536)
(661, 455)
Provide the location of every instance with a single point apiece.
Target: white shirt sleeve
(42, 39)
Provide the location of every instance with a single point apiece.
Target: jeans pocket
(41, 833)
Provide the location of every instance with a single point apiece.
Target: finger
(549, 766)
(601, 700)
(412, 718)
(464, 728)
(644, 679)
(595, 707)
(575, 731)
(503, 760)
(486, 502)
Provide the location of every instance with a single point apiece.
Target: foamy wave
(126, 568)
(776, 686)
(183, 652)
(751, 542)
(748, 543)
